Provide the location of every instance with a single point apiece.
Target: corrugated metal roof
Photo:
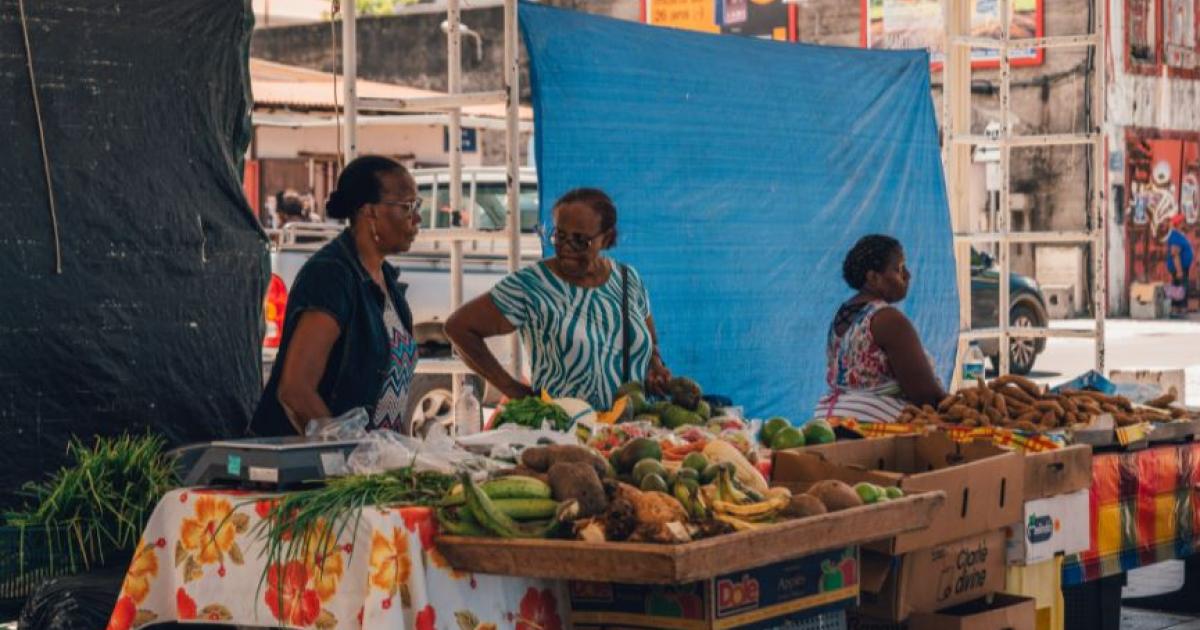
(280, 85)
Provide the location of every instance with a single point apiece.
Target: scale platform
(273, 463)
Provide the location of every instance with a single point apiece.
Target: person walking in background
(1179, 263)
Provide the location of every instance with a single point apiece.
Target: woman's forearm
(476, 354)
(302, 406)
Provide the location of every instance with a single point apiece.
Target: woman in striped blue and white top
(568, 311)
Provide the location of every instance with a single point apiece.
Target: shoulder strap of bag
(626, 332)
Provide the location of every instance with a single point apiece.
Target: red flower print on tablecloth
(265, 509)
(185, 606)
(539, 611)
(420, 519)
(426, 619)
(288, 595)
(123, 614)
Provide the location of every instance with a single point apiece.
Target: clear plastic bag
(351, 425)
(381, 451)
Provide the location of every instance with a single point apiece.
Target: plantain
(452, 525)
(527, 509)
(511, 487)
(488, 515)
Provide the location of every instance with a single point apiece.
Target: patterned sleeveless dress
(861, 383)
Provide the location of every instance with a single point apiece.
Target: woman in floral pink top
(876, 362)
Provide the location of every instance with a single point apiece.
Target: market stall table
(1143, 511)
(201, 559)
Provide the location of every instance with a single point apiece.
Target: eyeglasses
(411, 207)
(570, 240)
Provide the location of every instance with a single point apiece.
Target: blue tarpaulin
(743, 170)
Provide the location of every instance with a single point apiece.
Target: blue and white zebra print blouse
(573, 334)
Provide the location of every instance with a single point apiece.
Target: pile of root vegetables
(1015, 402)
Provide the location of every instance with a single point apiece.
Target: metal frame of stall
(452, 104)
(958, 142)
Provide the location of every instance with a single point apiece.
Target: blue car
(1026, 308)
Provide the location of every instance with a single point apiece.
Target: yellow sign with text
(692, 15)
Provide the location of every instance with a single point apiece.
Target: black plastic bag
(73, 602)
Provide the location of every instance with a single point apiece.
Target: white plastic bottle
(973, 365)
(468, 417)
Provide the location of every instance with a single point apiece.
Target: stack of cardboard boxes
(925, 578)
(1055, 521)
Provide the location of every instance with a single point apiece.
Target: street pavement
(1130, 344)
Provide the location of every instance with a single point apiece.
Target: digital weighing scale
(274, 463)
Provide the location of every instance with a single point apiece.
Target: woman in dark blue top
(348, 333)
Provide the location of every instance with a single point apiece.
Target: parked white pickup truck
(426, 270)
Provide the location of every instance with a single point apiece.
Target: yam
(1016, 394)
(1123, 419)
(994, 416)
(1026, 385)
(1050, 406)
(835, 495)
(1049, 419)
(946, 403)
(1000, 405)
(1164, 401)
(1025, 425)
(958, 412)
(1028, 417)
(542, 458)
(578, 481)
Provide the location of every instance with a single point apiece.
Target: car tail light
(274, 306)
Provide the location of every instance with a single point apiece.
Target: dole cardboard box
(1060, 524)
(757, 598)
(1060, 471)
(984, 484)
(928, 580)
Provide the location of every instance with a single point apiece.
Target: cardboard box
(1060, 524)
(984, 484)
(1061, 471)
(927, 580)
(1003, 612)
(756, 598)
(1163, 378)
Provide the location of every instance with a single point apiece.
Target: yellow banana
(762, 509)
(737, 523)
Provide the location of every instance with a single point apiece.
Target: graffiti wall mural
(1162, 183)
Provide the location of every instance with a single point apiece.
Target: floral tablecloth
(200, 560)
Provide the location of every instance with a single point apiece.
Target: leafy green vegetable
(103, 500)
(304, 523)
(531, 411)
